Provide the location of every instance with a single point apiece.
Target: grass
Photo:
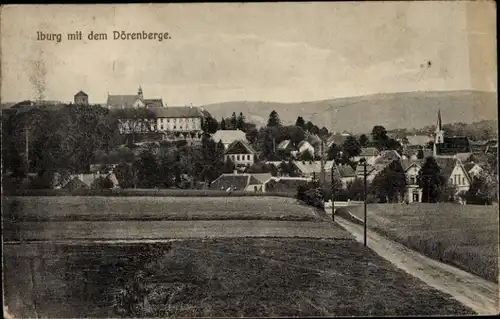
(90, 208)
(145, 192)
(223, 278)
(464, 236)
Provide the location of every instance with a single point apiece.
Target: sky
(282, 52)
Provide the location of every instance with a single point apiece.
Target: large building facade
(174, 122)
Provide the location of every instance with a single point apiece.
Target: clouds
(226, 52)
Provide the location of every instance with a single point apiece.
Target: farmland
(464, 236)
(96, 208)
(216, 277)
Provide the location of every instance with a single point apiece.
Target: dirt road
(472, 291)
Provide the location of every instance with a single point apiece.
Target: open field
(98, 208)
(217, 277)
(464, 236)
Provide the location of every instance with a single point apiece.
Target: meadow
(217, 277)
(464, 236)
(103, 208)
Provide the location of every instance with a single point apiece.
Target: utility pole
(26, 144)
(364, 174)
(322, 176)
(333, 196)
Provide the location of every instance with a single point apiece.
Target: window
(463, 180)
(413, 180)
(161, 127)
(237, 157)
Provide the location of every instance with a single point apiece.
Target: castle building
(81, 98)
(175, 122)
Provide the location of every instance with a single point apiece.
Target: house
(81, 98)
(240, 153)
(285, 184)
(455, 173)
(286, 146)
(74, 184)
(304, 146)
(182, 122)
(228, 136)
(473, 169)
(411, 169)
(316, 145)
(372, 169)
(241, 182)
(310, 169)
(346, 174)
(336, 138)
(418, 140)
(388, 155)
(367, 153)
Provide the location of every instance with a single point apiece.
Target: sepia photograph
(282, 159)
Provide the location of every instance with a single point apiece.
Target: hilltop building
(173, 122)
(81, 98)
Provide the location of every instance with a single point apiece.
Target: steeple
(438, 134)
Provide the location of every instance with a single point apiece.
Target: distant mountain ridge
(359, 114)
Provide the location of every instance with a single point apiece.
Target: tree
(210, 125)
(228, 167)
(363, 140)
(233, 121)
(252, 135)
(300, 122)
(379, 137)
(351, 146)
(355, 189)
(308, 126)
(147, 168)
(240, 122)
(431, 181)
(390, 184)
(483, 190)
(274, 120)
(126, 174)
(222, 124)
(323, 133)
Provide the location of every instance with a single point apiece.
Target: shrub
(311, 194)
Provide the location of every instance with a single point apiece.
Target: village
(277, 158)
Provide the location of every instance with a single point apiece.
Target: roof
(177, 112)
(304, 143)
(113, 179)
(229, 136)
(446, 165)
(121, 101)
(240, 147)
(464, 157)
(286, 184)
(81, 93)
(346, 171)
(388, 155)
(238, 181)
(469, 166)
(427, 152)
(369, 151)
(75, 183)
(152, 103)
(418, 139)
(283, 145)
(454, 145)
(336, 138)
(261, 177)
(309, 167)
(407, 163)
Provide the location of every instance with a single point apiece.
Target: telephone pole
(333, 196)
(364, 174)
(26, 151)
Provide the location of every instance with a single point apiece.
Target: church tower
(438, 133)
(139, 93)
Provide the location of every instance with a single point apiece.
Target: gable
(239, 147)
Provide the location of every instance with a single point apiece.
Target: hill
(361, 113)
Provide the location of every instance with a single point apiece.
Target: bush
(311, 194)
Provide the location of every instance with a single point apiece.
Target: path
(472, 291)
